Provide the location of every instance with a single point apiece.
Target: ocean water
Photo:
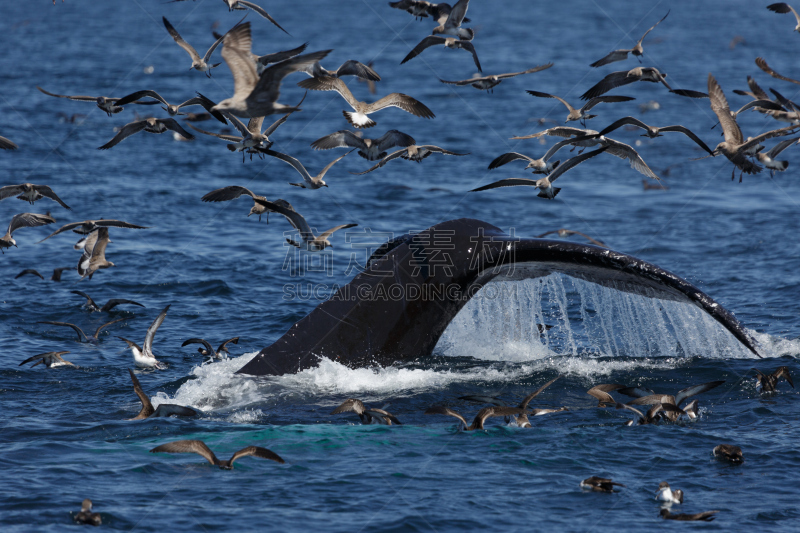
(64, 435)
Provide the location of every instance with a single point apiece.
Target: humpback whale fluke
(397, 309)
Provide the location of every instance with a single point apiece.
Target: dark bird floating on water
(707, 516)
(366, 414)
(82, 337)
(108, 306)
(163, 410)
(219, 353)
(648, 397)
(651, 417)
(666, 494)
(622, 54)
(200, 448)
(729, 452)
(769, 382)
(48, 359)
(600, 484)
(86, 516)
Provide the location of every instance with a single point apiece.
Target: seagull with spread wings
(625, 77)
(83, 337)
(653, 131)
(310, 242)
(488, 83)
(369, 149)
(107, 104)
(22, 220)
(782, 8)
(143, 356)
(198, 63)
(30, 193)
(172, 109)
(200, 448)
(150, 125)
(94, 253)
(85, 227)
(582, 113)
(448, 42)
(415, 152)
(621, 55)
(309, 181)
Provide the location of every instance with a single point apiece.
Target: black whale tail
(379, 317)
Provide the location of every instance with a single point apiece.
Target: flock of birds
(257, 82)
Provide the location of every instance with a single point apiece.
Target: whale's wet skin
(64, 436)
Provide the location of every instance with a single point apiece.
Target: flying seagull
(538, 166)
(309, 182)
(22, 220)
(105, 103)
(85, 227)
(219, 353)
(488, 83)
(253, 95)
(581, 114)
(359, 119)
(108, 306)
(782, 7)
(415, 152)
(200, 448)
(546, 190)
(653, 132)
(143, 356)
(369, 149)
(448, 42)
(625, 77)
(150, 125)
(174, 110)
(768, 158)
(233, 192)
(241, 5)
(452, 24)
(83, 337)
(621, 55)
(198, 63)
(163, 410)
(30, 271)
(251, 135)
(348, 68)
(94, 253)
(762, 64)
(310, 242)
(31, 193)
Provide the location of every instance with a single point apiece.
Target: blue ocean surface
(64, 435)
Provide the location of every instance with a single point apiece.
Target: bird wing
(393, 138)
(341, 139)
(572, 162)
(47, 192)
(179, 40)
(509, 182)
(720, 107)
(783, 372)
(274, 126)
(224, 346)
(559, 145)
(465, 82)
(528, 398)
(686, 131)
(188, 446)
(54, 355)
(611, 81)
(652, 28)
(468, 46)
(625, 151)
(329, 83)
(325, 170)
(758, 92)
(593, 241)
(768, 135)
(173, 125)
(6, 144)
(637, 414)
(441, 410)
(503, 159)
(653, 399)
(326, 234)
(206, 104)
(169, 409)
(431, 148)
(79, 331)
(294, 218)
(483, 399)
(277, 57)
(96, 333)
(616, 55)
(98, 252)
(225, 194)
(694, 390)
(151, 332)
(394, 155)
(604, 99)
(28, 271)
(781, 146)
(112, 303)
(11, 190)
(356, 68)
(260, 11)
(126, 131)
(457, 13)
(559, 131)
(257, 451)
(224, 137)
(209, 350)
(216, 43)
(402, 101)
(427, 42)
(239, 125)
(236, 46)
(762, 64)
(96, 223)
(147, 406)
(28, 220)
(268, 88)
(298, 166)
(351, 405)
(545, 95)
(78, 98)
(142, 94)
(529, 71)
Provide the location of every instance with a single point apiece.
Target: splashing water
(561, 315)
